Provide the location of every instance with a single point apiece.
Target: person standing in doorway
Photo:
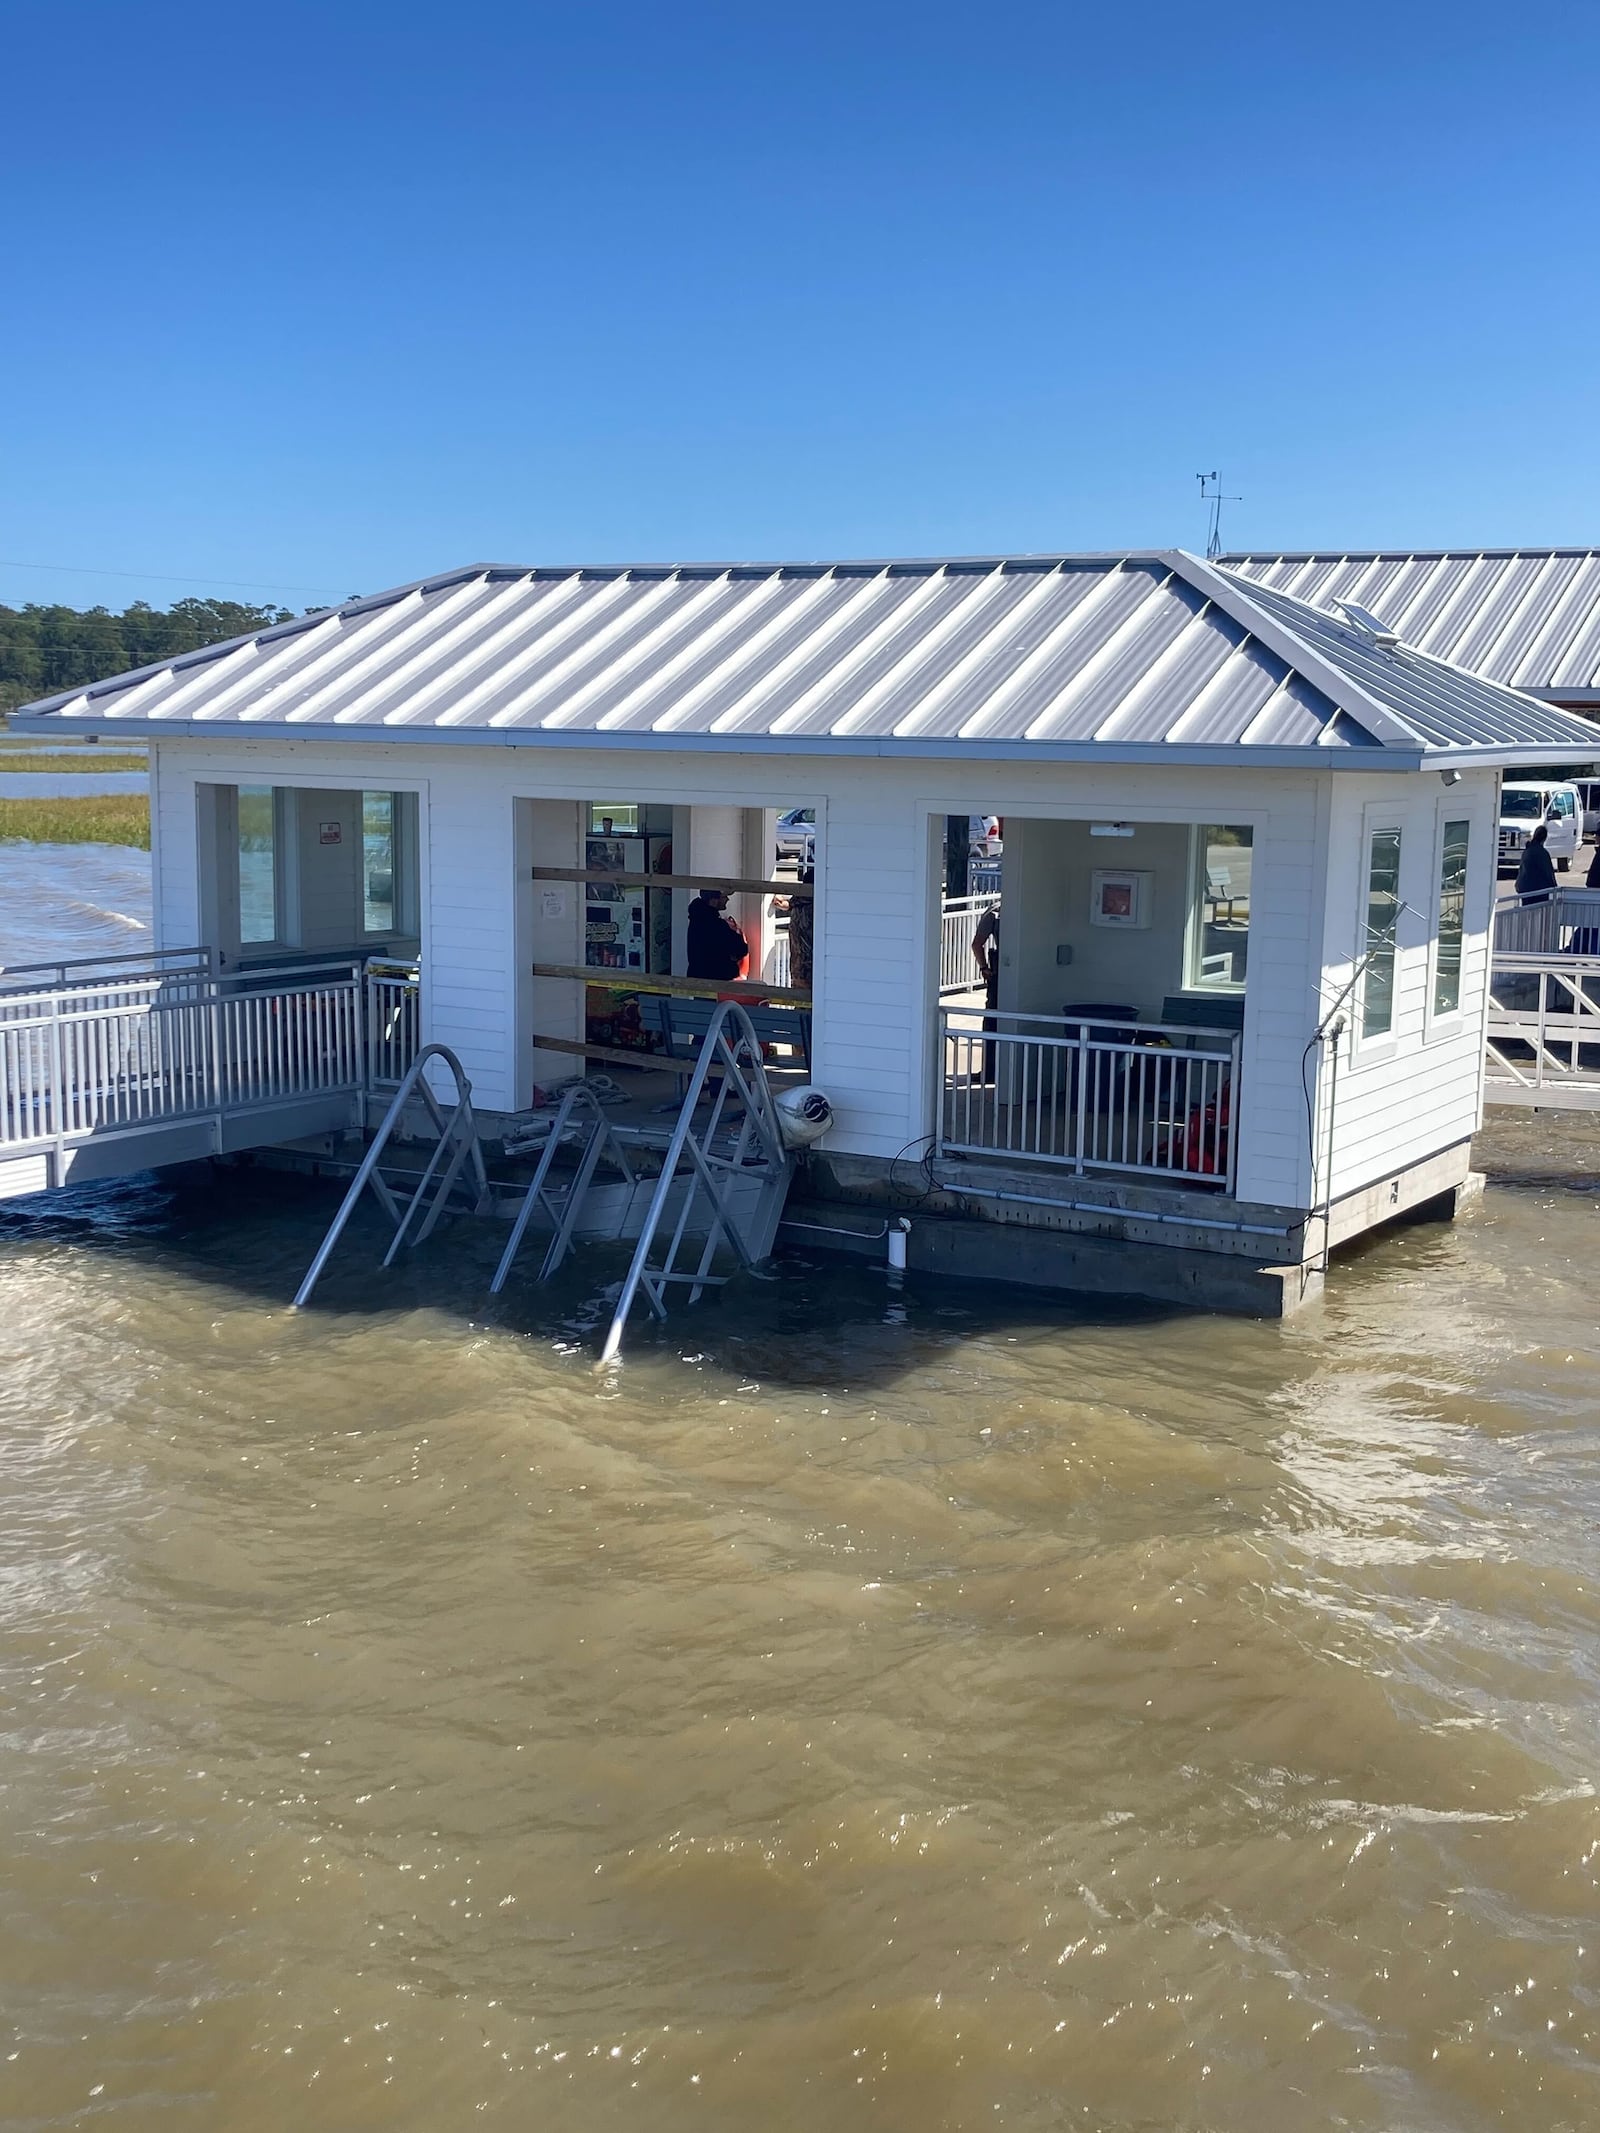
(986, 953)
(1536, 876)
(802, 915)
(716, 948)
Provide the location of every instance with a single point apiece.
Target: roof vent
(1369, 625)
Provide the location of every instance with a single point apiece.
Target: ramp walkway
(112, 1065)
(1542, 1028)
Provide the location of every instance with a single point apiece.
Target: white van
(1589, 793)
(1524, 806)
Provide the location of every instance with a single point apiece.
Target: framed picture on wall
(1119, 896)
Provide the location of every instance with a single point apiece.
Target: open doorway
(640, 917)
(1091, 1014)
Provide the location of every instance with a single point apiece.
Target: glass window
(1383, 916)
(613, 818)
(389, 829)
(1522, 806)
(1452, 918)
(258, 864)
(377, 862)
(1219, 936)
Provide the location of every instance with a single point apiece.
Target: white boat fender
(804, 1116)
(898, 1232)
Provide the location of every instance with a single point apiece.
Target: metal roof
(1138, 655)
(1529, 617)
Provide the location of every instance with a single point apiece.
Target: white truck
(1523, 806)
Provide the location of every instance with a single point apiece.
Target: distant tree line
(44, 650)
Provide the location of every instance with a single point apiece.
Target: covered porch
(1100, 1031)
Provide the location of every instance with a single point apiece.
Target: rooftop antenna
(1211, 494)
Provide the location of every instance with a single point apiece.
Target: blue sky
(312, 300)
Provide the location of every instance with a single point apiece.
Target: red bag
(1205, 1136)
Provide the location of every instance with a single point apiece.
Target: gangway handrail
(139, 964)
(460, 1127)
(759, 1122)
(564, 1220)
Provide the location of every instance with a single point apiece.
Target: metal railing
(958, 921)
(394, 1019)
(457, 1155)
(1562, 922)
(106, 970)
(983, 877)
(1152, 1102)
(1543, 1018)
(775, 963)
(86, 1059)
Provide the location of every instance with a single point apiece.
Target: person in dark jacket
(1586, 939)
(1536, 876)
(717, 949)
(802, 917)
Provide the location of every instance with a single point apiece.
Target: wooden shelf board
(735, 884)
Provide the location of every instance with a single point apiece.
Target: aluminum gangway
(1542, 1019)
(110, 1065)
(580, 1115)
(711, 1208)
(455, 1166)
(724, 1177)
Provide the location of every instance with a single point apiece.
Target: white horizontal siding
(873, 1036)
(1407, 1098)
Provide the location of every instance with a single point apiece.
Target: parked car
(983, 836)
(1589, 793)
(1524, 805)
(797, 834)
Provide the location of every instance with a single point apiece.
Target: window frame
(1371, 1049)
(405, 811)
(1194, 927)
(283, 869)
(1440, 1023)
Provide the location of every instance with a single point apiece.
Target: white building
(1256, 839)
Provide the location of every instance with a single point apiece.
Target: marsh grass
(110, 818)
(91, 763)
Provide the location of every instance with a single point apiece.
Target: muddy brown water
(925, 1708)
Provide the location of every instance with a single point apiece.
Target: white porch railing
(1548, 925)
(105, 970)
(1543, 1019)
(775, 963)
(1155, 1102)
(394, 1020)
(92, 1057)
(958, 921)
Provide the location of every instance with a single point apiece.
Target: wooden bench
(681, 1025)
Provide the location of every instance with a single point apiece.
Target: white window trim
(1194, 927)
(1368, 1051)
(404, 838)
(1439, 1027)
(285, 876)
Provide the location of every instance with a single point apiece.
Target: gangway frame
(731, 1046)
(457, 1134)
(563, 1210)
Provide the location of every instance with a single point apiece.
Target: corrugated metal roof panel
(1066, 654)
(1487, 609)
